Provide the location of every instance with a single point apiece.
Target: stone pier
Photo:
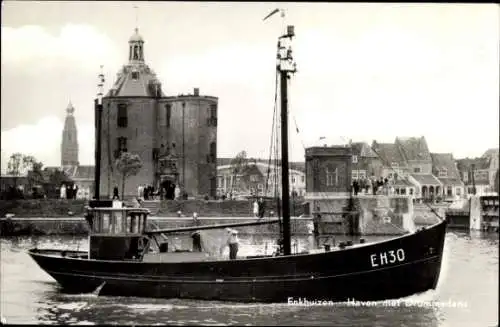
(362, 214)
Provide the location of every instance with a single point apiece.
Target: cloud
(74, 43)
(43, 141)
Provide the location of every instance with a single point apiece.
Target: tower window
(121, 146)
(122, 115)
(212, 115)
(169, 113)
(212, 156)
(213, 111)
(135, 75)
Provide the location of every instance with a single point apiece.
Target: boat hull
(389, 269)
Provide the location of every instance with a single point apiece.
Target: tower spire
(69, 144)
(136, 18)
(136, 43)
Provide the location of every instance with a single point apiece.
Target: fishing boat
(126, 258)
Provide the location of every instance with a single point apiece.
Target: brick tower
(175, 136)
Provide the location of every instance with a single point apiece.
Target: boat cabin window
(118, 222)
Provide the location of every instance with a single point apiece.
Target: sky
(365, 71)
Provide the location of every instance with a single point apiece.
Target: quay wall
(50, 217)
(168, 208)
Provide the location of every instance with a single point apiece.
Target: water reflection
(29, 295)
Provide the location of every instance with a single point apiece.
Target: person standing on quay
(232, 243)
(255, 208)
(262, 208)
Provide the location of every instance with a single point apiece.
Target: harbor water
(467, 294)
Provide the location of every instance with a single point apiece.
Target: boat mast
(98, 128)
(285, 66)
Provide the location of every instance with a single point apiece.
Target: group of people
(68, 192)
(259, 208)
(146, 192)
(372, 186)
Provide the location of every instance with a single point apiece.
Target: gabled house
(391, 159)
(418, 158)
(365, 162)
(445, 169)
(416, 154)
(475, 175)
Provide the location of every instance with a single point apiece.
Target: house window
(168, 108)
(135, 75)
(293, 180)
(458, 191)
(449, 191)
(354, 159)
(122, 119)
(403, 191)
(303, 179)
(465, 177)
(411, 190)
(331, 177)
(219, 181)
(417, 170)
(443, 172)
(470, 190)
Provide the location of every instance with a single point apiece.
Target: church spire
(69, 145)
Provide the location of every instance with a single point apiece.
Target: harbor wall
(78, 226)
(168, 208)
(50, 217)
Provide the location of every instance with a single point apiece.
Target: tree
(34, 167)
(238, 165)
(14, 166)
(128, 164)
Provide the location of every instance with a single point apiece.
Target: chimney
(196, 91)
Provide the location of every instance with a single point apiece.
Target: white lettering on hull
(387, 257)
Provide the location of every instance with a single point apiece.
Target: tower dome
(136, 37)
